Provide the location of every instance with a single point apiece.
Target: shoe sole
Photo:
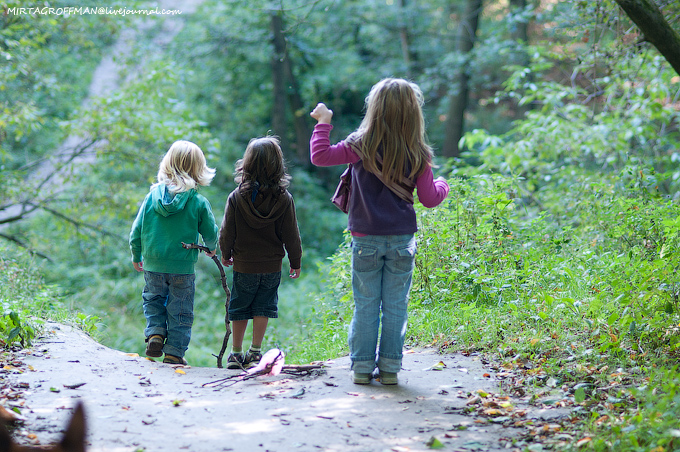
(388, 381)
(361, 380)
(154, 348)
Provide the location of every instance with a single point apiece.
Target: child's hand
(227, 263)
(322, 114)
(294, 273)
(139, 266)
(212, 253)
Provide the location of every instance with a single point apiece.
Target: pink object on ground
(274, 358)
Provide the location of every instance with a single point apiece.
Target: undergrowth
(582, 308)
(26, 302)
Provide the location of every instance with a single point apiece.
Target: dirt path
(130, 404)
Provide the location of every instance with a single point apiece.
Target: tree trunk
(520, 34)
(285, 86)
(300, 115)
(279, 81)
(406, 42)
(455, 122)
(647, 16)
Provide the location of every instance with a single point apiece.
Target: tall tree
(455, 122)
(279, 80)
(647, 16)
(285, 85)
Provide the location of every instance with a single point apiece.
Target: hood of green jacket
(166, 203)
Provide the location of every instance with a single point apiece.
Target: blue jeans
(254, 295)
(168, 301)
(382, 267)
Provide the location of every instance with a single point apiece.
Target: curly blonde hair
(184, 167)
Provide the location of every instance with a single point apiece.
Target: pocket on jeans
(364, 257)
(406, 257)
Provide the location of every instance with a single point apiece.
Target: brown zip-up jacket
(258, 234)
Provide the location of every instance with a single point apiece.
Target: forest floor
(133, 403)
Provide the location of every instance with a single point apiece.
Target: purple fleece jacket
(373, 208)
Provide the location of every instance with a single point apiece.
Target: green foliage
(47, 65)
(25, 300)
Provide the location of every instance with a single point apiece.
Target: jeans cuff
(389, 364)
(174, 351)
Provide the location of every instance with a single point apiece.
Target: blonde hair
(184, 167)
(394, 121)
(262, 167)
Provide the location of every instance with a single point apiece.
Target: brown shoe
(154, 345)
(172, 359)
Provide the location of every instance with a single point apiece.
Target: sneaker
(235, 361)
(154, 345)
(360, 378)
(171, 359)
(388, 378)
(252, 358)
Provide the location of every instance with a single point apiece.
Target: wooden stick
(223, 276)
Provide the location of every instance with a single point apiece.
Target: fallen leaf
(582, 442)
(439, 366)
(75, 386)
(434, 443)
(180, 371)
(134, 355)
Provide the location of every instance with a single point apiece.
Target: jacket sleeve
(228, 230)
(136, 233)
(207, 226)
(323, 154)
(431, 192)
(291, 236)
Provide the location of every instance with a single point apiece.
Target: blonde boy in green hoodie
(173, 212)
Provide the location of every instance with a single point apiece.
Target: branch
(223, 277)
(647, 16)
(23, 245)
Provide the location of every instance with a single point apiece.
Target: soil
(133, 403)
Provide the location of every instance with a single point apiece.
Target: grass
(583, 314)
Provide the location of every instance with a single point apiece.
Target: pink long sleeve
(323, 154)
(431, 192)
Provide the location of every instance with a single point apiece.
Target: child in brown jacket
(258, 228)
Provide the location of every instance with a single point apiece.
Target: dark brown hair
(262, 163)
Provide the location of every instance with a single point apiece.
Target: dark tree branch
(223, 276)
(23, 245)
(647, 16)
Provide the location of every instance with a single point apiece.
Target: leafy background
(555, 256)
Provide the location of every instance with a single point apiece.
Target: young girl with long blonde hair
(390, 158)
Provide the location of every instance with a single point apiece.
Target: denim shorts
(254, 295)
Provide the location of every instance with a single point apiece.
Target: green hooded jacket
(163, 222)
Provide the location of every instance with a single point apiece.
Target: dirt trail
(130, 403)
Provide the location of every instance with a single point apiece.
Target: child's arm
(228, 233)
(431, 192)
(135, 239)
(321, 151)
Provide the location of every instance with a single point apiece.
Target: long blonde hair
(262, 167)
(184, 167)
(394, 121)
